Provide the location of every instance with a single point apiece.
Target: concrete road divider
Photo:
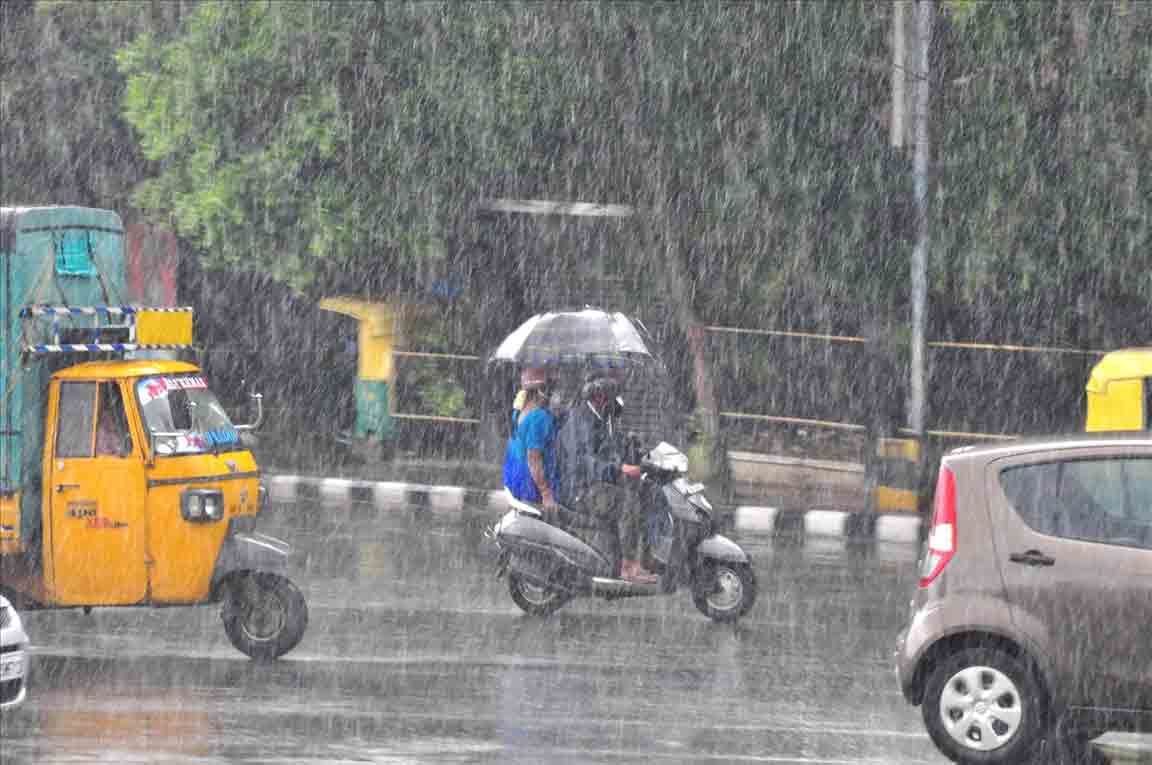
(816, 523)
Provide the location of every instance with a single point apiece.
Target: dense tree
(62, 139)
(344, 144)
(1045, 132)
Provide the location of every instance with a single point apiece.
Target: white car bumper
(13, 658)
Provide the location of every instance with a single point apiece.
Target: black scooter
(551, 558)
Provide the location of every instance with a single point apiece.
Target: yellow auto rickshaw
(1120, 391)
(123, 482)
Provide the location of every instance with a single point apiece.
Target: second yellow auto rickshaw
(1120, 391)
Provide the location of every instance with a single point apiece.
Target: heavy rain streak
(548, 382)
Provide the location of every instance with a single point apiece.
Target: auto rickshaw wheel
(264, 615)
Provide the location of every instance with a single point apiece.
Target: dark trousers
(620, 505)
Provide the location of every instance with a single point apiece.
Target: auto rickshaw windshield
(184, 417)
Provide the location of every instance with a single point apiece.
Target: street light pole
(925, 14)
(899, 75)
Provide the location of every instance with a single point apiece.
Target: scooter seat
(562, 517)
(567, 518)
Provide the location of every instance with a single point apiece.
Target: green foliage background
(327, 143)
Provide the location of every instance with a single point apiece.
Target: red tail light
(942, 532)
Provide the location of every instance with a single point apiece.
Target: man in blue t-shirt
(530, 470)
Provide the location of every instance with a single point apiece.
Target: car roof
(1059, 441)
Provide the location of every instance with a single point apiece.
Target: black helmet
(600, 384)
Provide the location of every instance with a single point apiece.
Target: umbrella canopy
(588, 338)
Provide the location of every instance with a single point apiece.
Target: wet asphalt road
(415, 654)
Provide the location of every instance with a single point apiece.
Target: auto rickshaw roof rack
(140, 328)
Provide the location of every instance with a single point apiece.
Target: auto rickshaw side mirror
(259, 401)
(153, 444)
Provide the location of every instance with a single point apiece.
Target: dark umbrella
(588, 338)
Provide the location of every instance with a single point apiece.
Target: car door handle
(63, 487)
(1032, 558)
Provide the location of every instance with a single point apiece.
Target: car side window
(1032, 492)
(1140, 490)
(1095, 500)
(1097, 485)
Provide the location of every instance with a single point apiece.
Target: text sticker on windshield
(158, 387)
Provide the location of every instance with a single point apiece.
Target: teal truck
(48, 255)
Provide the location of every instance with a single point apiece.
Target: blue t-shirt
(534, 430)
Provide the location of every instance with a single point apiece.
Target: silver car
(1029, 630)
(13, 657)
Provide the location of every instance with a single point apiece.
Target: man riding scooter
(552, 553)
(589, 458)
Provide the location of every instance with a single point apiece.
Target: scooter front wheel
(724, 591)
(534, 599)
(264, 615)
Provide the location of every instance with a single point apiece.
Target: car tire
(984, 706)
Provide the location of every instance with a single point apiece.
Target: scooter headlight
(202, 505)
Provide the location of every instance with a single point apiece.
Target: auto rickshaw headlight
(213, 507)
(202, 505)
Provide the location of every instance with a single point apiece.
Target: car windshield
(184, 417)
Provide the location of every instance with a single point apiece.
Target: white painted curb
(391, 495)
(281, 488)
(898, 528)
(756, 519)
(445, 497)
(826, 523)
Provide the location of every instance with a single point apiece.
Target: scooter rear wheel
(534, 599)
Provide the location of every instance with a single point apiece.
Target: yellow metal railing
(801, 335)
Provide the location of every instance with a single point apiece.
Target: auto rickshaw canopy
(1127, 364)
(1120, 391)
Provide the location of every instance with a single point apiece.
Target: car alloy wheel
(980, 708)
